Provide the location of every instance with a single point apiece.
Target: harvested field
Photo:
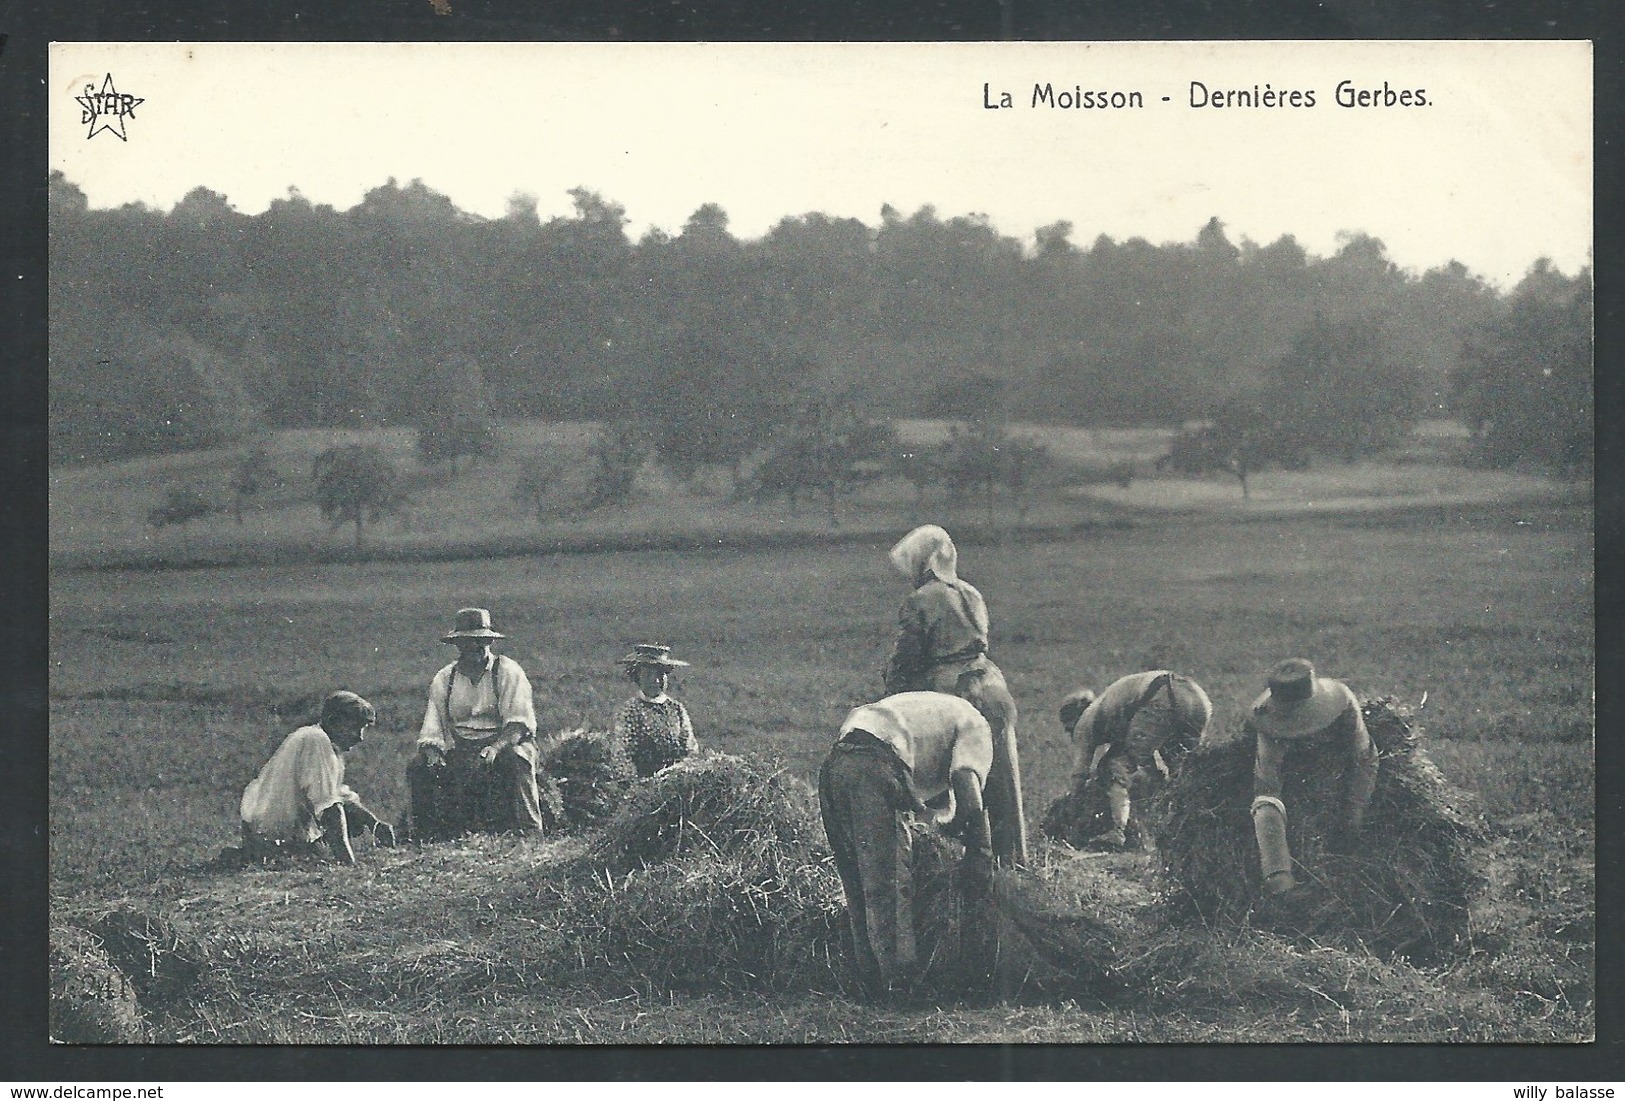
(562, 939)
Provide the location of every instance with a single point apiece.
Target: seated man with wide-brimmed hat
(475, 769)
(1298, 708)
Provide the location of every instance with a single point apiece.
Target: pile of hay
(714, 804)
(91, 1000)
(591, 772)
(1081, 814)
(1025, 938)
(160, 961)
(705, 923)
(714, 872)
(1405, 891)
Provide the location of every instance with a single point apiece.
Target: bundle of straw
(714, 804)
(1402, 890)
(158, 959)
(1021, 938)
(1076, 816)
(91, 1000)
(704, 922)
(591, 772)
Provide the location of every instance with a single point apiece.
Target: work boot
(1113, 840)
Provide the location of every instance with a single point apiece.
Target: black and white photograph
(767, 543)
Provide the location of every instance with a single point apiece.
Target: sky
(1494, 170)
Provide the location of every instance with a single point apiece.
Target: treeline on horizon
(200, 325)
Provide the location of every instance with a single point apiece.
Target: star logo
(107, 109)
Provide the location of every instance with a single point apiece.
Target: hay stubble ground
(168, 689)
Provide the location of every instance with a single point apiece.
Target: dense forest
(201, 324)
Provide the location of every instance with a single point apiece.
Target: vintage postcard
(630, 543)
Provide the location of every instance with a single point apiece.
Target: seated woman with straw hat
(1300, 708)
(653, 728)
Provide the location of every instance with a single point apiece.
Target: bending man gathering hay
(1320, 817)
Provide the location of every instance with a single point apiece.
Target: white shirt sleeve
(517, 704)
(436, 729)
(320, 775)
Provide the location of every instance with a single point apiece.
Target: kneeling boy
(299, 799)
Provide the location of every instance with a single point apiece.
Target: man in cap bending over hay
(299, 800)
(1299, 708)
(892, 757)
(475, 767)
(1140, 724)
(942, 631)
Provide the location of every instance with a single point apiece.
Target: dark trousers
(981, 684)
(467, 794)
(862, 796)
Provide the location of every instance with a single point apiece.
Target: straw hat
(1298, 702)
(472, 623)
(651, 653)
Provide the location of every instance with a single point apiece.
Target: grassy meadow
(1464, 594)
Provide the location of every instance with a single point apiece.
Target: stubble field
(169, 689)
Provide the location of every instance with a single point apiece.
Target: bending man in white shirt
(893, 757)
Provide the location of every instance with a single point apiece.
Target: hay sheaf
(1404, 890)
(1078, 815)
(591, 772)
(713, 804)
(91, 1000)
(1024, 938)
(703, 923)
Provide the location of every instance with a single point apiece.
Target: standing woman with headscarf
(942, 647)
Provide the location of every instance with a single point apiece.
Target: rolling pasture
(170, 688)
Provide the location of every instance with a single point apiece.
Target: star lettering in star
(106, 109)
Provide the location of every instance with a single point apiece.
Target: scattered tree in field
(181, 506)
(540, 475)
(1525, 384)
(255, 474)
(921, 467)
(972, 460)
(1027, 465)
(828, 448)
(356, 484)
(617, 453)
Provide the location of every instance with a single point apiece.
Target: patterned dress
(654, 733)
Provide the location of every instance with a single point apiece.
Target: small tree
(255, 474)
(539, 476)
(921, 467)
(829, 448)
(1027, 465)
(617, 453)
(357, 484)
(973, 460)
(181, 506)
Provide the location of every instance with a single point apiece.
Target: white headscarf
(926, 548)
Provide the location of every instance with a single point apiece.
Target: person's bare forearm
(336, 832)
